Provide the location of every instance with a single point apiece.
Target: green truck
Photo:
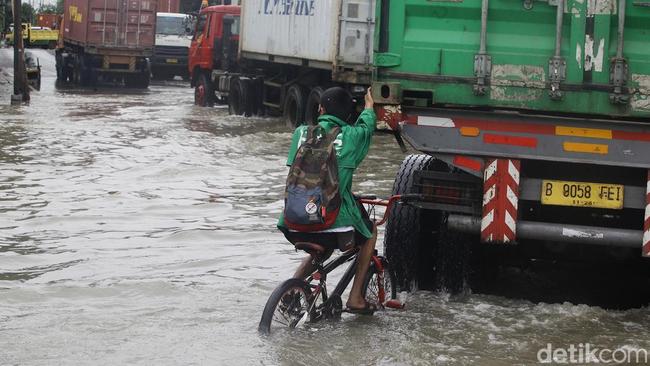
(532, 119)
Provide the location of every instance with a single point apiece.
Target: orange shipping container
(169, 6)
(48, 20)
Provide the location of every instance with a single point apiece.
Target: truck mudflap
(500, 200)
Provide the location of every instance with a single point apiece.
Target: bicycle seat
(311, 248)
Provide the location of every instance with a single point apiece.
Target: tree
(27, 13)
(48, 9)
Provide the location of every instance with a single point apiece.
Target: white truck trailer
(278, 57)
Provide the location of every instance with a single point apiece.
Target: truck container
(51, 21)
(108, 39)
(169, 6)
(533, 123)
(277, 57)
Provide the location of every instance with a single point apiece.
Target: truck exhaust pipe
(557, 232)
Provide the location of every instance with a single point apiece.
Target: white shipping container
(313, 30)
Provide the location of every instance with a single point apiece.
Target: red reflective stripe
(486, 125)
(633, 136)
(510, 140)
(468, 163)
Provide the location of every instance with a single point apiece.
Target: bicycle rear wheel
(380, 285)
(287, 305)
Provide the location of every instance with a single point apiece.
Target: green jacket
(351, 146)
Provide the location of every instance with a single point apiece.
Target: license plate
(581, 194)
(172, 61)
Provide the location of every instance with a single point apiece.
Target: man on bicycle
(352, 225)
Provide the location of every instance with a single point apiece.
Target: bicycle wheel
(380, 286)
(287, 305)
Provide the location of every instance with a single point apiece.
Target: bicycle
(296, 300)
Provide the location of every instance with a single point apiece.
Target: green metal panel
(431, 48)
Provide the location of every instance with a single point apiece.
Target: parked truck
(111, 41)
(34, 36)
(277, 57)
(532, 119)
(173, 39)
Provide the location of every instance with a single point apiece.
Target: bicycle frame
(322, 269)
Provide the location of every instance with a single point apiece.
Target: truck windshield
(172, 25)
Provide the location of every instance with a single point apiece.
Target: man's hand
(370, 103)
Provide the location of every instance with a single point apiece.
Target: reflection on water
(136, 228)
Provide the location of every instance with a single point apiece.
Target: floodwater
(136, 228)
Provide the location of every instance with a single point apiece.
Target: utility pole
(21, 89)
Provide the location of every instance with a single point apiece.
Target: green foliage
(48, 9)
(27, 13)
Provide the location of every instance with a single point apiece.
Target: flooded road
(136, 228)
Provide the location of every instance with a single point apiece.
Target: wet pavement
(136, 228)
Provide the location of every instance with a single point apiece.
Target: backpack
(312, 199)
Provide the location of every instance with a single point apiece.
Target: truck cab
(173, 39)
(215, 42)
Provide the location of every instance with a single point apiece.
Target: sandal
(368, 309)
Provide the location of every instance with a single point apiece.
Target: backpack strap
(334, 132)
(313, 130)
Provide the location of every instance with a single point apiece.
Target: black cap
(337, 102)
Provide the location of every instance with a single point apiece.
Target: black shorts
(331, 241)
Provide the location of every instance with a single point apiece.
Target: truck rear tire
(145, 79)
(203, 91)
(403, 237)
(140, 80)
(240, 98)
(423, 253)
(312, 104)
(294, 106)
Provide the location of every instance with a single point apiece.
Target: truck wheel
(294, 106)
(58, 57)
(81, 72)
(145, 79)
(312, 104)
(403, 230)
(203, 92)
(240, 98)
(417, 243)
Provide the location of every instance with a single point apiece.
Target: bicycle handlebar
(388, 203)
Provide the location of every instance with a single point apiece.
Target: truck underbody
(87, 66)
(287, 89)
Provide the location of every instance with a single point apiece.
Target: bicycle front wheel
(287, 306)
(380, 284)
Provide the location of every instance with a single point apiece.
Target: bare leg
(305, 269)
(355, 300)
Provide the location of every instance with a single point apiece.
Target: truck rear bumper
(556, 232)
